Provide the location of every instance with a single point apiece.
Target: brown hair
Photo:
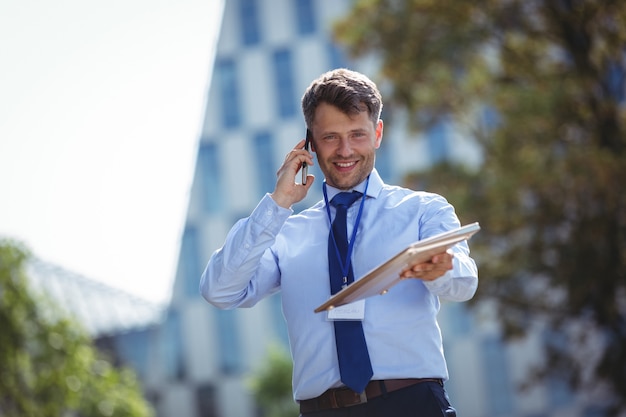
(349, 91)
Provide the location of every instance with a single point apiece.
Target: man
(388, 360)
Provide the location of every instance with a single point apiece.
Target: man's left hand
(431, 270)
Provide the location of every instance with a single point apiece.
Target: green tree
(271, 385)
(50, 367)
(540, 85)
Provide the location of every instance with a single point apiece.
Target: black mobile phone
(305, 168)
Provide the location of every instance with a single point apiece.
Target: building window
(228, 341)
(206, 400)
(384, 163)
(559, 391)
(210, 170)
(250, 29)
(459, 322)
(437, 137)
(189, 261)
(336, 57)
(283, 80)
(133, 349)
(305, 16)
(171, 342)
(265, 170)
(226, 78)
(497, 377)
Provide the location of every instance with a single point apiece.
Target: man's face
(345, 145)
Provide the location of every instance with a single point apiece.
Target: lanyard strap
(345, 266)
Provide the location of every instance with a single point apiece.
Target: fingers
(294, 160)
(297, 156)
(431, 270)
(288, 191)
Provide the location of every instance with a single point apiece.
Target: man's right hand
(287, 191)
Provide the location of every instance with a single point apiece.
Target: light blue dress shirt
(275, 250)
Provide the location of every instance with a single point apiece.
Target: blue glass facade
(227, 83)
(336, 56)
(437, 137)
(210, 170)
(265, 162)
(171, 347)
(498, 382)
(189, 261)
(229, 348)
(305, 16)
(284, 83)
(250, 23)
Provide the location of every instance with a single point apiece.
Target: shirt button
(269, 212)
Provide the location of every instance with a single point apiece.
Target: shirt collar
(373, 189)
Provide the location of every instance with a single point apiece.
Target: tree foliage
(540, 84)
(271, 385)
(50, 367)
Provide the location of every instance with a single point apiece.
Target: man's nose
(344, 147)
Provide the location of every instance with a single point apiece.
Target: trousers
(427, 399)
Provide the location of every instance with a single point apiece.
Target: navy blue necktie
(354, 361)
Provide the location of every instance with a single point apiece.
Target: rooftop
(102, 309)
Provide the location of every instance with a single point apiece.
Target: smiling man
(379, 357)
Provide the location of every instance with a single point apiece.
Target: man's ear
(379, 134)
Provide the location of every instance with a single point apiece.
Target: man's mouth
(344, 165)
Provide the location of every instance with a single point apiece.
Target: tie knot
(345, 199)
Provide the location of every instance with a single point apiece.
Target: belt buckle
(362, 397)
(356, 399)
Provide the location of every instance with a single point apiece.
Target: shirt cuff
(269, 215)
(441, 284)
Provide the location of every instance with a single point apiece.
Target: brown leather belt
(345, 397)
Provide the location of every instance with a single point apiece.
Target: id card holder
(352, 311)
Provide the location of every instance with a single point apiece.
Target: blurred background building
(195, 360)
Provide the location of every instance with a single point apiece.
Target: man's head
(350, 91)
(342, 111)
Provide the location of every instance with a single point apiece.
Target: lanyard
(345, 266)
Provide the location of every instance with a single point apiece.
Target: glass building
(194, 360)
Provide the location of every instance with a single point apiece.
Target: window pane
(384, 163)
(559, 391)
(133, 348)
(266, 168)
(210, 177)
(228, 341)
(497, 377)
(460, 319)
(336, 57)
(189, 261)
(171, 342)
(305, 16)
(226, 77)
(437, 138)
(283, 79)
(207, 400)
(250, 30)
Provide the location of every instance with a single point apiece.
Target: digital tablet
(379, 280)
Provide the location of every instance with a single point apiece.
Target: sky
(101, 106)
